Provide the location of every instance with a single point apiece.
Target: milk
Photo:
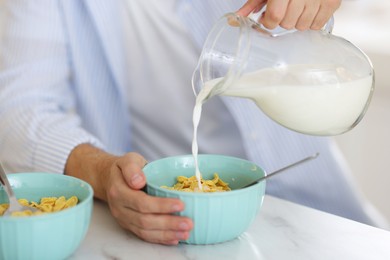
(317, 109)
(323, 109)
(200, 99)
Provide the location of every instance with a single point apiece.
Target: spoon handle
(290, 166)
(5, 183)
(284, 168)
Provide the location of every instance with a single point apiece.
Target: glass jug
(311, 82)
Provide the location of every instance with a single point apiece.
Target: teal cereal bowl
(49, 236)
(217, 216)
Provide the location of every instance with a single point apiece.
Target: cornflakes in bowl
(52, 235)
(217, 216)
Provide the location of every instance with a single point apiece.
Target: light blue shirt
(62, 83)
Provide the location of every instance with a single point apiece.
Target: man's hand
(289, 14)
(119, 180)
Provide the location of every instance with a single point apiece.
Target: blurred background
(366, 23)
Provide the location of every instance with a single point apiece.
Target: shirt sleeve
(39, 124)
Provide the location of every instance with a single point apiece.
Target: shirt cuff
(54, 149)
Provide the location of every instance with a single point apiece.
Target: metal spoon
(13, 202)
(281, 170)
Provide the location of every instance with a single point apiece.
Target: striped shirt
(62, 83)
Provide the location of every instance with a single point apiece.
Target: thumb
(137, 180)
(132, 170)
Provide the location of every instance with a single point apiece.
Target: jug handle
(254, 16)
(328, 27)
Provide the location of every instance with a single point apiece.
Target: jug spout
(224, 54)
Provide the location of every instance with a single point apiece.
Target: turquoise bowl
(50, 236)
(217, 217)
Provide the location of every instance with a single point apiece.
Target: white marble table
(282, 230)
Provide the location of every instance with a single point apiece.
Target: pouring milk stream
(311, 82)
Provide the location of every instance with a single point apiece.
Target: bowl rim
(57, 214)
(214, 194)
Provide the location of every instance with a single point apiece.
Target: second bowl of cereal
(55, 234)
(218, 216)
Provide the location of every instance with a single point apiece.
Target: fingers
(163, 229)
(307, 17)
(251, 6)
(154, 227)
(143, 203)
(324, 14)
(120, 193)
(294, 12)
(150, 217)
(289, 14)
(274, 13)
